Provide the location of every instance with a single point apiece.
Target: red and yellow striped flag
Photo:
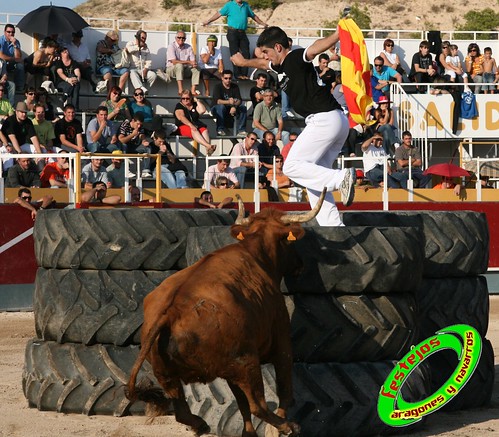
(355, 73)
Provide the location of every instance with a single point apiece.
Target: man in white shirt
(221, 168)
(241, 165)
(140, 62)
(80, 54)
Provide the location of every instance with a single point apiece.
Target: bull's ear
(295, 232)
(237, 231)
(291, 237)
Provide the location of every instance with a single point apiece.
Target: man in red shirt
(55, 174)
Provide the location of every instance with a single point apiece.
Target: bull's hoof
(202, 429)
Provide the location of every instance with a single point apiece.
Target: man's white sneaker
(101, 86)
(146, 174)
(130, 175)
(162, 75)
(347, 187)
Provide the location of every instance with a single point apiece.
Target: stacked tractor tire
(368, 291)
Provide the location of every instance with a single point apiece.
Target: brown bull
(223, 317)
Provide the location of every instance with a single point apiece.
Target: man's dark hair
(8, 26)
(424, 44)
(97, 183)
(69, 106)
(380, 59)
(204, 193)
(259, 75)
(160, 134)
(101, 108)
(23, 190)
(323, 56)
(271, 36)
(138, 116)
(406, 133)
(227, 71)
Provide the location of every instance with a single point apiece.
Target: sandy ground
(17, 420)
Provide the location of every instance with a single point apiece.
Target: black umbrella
(47, 20)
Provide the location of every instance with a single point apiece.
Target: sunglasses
(139, 94)
(181, 37)
(389, 45)
(378, 65)
(445, 47)
(185, 98)
(251, 139)
(12, 32)
(278, 160)
(473, 50)
(26, 197)
(30, 94)
(223, 185)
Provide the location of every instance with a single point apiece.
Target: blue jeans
(375, 176)
(172, 180)
(389, 138)
(285, 106)
(240, 173)
(221, 113)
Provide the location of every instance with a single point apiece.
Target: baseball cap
(117, 152)
(212, 38)
(78, 34)
(22, 107)
(360, 174)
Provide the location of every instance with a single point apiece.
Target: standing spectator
(117, 109)
(68, 131)
(23, 174)
(287, 147)
(326, 74)
(267, 116)
(240, 166)
(105, 64)
(490, 71)
(228, 103)
(221, 168)
(19, 131)
(402, 154)
(374, 161)
(44, 129)
(282, 180)
(212, 64)
(140, 61)
(101, 133)
(385, 74)
(422, 68)
(310, 161)
(237, 13)
(173, 172)
(98, 194)
(81, 55)
(131, 135)
(187, 113)
(69, 77)
(267, 149)
(92, 172)
(55, 174)
(181, 62)
(10, 51)
(473, 64)
(24, 199)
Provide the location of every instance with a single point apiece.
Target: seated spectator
(448, 183)
(44, 100)
(98, 194)
(38, 64)
(337, 92)
(23, 174)
(212, 64)
(6, 149)
(181, 62)
(187, 113)
(101, 133)
(383, 115)
(30, 100)
(81, 55)
(326, 74)
(19, 131)
(55, 174)
(105, 64)
(376, 87)
(92, 172)
(68, 131)
(422, 68)
(267, 149)
(282, 180)
(473, 65)
(68, 78)
(248, 147)
(131, 135)
(385, 75)
(490, 72)
(173, 172)
(10, 51)
(152, 122)
(44, 130)
(9, 88)
(116, 104)
(454, 68)
(140, 62)
(335, 58)
(267, 116)
(24, 199)
(206, 199)
(257, 91)
(228, 103)
(221, 168)
(391, 59)
(6, 109)
(441, 60)
(116, 171)
(287, 147)
(374, 161)
(264, 184)
(402, 154)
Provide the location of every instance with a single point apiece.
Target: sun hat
(21, 107)
(113, 35)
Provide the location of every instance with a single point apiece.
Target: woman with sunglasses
(187, 114)
(152, 122)
(116, 106)
(473, 65)
(30, 100)
(282, 180)
(441, 60)
(43, 99)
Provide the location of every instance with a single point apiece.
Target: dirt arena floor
(17, 420)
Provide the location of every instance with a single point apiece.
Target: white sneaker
(143, 88)
(396, 145)
(290, 114)
(162, 75)
(347, 187)
(101, 86)
(130, 175)
(146, 174)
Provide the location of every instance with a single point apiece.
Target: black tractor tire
(456, 243)
(92, 306)
(119, 239)
(339, 259)
(347, 328)
(450, 301)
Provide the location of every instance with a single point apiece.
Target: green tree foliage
(263, 4)
(484, 20)
(358, 14)
(167, 4)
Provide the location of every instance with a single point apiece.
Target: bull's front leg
(242, 403)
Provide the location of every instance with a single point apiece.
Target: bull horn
(306, 216)
(241, 220)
